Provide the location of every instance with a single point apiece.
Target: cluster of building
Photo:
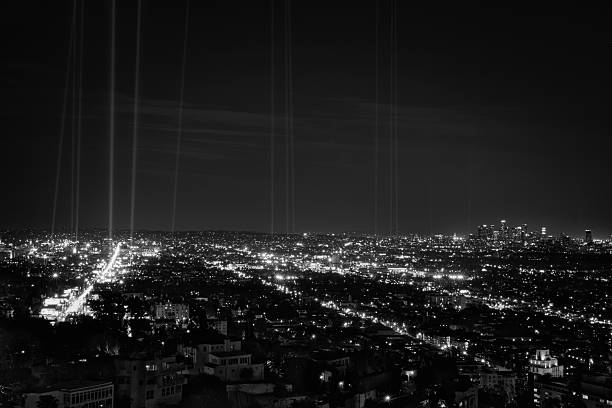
(235, 320)
(503, 234)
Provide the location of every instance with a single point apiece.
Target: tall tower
(588, 236)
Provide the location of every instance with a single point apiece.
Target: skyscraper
(588, 236)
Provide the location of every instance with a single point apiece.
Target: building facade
(543, 363)
(77, 394)
(150, 381)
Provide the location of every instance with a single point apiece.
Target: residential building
(74, 394)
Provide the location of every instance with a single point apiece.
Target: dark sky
(502, 113)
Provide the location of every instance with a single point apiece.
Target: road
(103, 275)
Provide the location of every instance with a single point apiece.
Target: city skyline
(305, 204)
(536, 230)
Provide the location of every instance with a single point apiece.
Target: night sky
(502, 113)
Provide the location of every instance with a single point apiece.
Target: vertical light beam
(395, 104)
(79, 125)
(290, 114)
(135, 129)
(63, 121)
(287, 132)
(179, 134)
(111, 134)
(391, 130)
(376, 16)
(272, 116)
(73, 130)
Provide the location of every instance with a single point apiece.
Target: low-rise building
(337, 360)
(233, 366)
(596, 390)
(176, 312)
(198, 348)
(466, 397)
(73, 394)
(545, 390)
(149, 381)
(499, 379)
(218, 325)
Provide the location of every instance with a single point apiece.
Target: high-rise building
(543, 363)
(588, 236)
(504, 233)
(485, 231)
